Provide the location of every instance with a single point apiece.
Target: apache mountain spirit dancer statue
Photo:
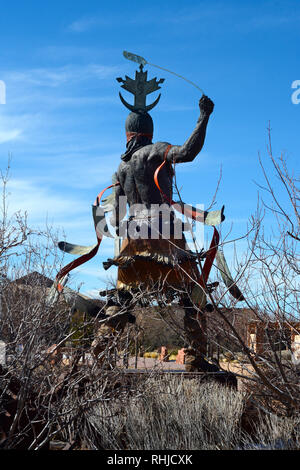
(154, 255)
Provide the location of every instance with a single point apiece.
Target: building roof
(34, 279)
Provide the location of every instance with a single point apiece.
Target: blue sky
(63, 121)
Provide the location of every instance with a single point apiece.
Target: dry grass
(174, 413)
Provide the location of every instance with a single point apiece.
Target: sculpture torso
(136, 176)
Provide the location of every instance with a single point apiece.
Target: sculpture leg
(110, 330)
(195, 333)
(103, 346)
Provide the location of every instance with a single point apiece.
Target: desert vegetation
(175, 413)
(49, 394)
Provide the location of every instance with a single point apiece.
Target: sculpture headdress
(140, 87)
(139, 123)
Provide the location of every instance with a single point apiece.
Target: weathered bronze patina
(154, 253)
(160, 261)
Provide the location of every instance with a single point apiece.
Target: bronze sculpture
(154, 250)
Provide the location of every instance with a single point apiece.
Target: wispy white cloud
(8, 135)
(13, 125)
(39, 201)
(84, 24)
(62, 101)
(95, 271)
(239, 15)
(67, 52)
(82, 173)
(57, 76)
(92, 293)
(62, 147)
(94, 279)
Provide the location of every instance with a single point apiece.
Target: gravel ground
(149, 363)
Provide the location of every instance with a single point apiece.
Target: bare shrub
(268, 276)
(171, 413)
(45, 388)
